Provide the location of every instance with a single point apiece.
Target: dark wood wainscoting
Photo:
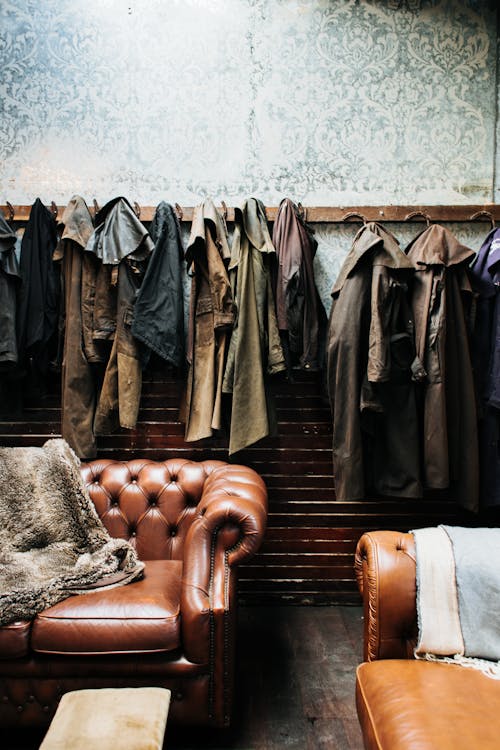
(308, 553)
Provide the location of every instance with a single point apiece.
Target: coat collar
(387, 252)
(250, 221)
(486, 267)
(206, 216)
(77, 224)
(437, 246)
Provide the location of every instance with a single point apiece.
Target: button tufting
(20, 709)
(45, 709)
(178, 695)
(133, 533)
(173, 532)
(5, 698)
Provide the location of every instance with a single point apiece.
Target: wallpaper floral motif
(327, 101)
(330, 102)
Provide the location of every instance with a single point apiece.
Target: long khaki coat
(255, 349)
(211, 318)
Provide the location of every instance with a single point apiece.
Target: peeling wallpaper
(329, 102)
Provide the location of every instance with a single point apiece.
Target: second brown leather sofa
(402, 703)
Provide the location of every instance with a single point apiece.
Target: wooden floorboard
(295, 684)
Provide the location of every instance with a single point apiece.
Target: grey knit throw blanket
(52, 542)
(458, 596)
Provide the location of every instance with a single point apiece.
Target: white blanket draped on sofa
(458, 596)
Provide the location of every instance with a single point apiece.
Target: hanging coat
(38, 305)
(370, 355)
(122, 244)
(300, 312)
(78, 381)
(441, 297)
(211, 318)
(485, 272)
(10, 278)
(255, 349)
(158, 318)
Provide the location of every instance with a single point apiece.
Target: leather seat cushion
(140, 617)
(420, 705)
(14, 639)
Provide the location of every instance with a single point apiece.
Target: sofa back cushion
(150, 503)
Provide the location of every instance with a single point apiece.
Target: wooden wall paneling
(308, 553)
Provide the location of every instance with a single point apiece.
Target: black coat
(9, 285)
(38, 309)
(158, 320)
(486, 359)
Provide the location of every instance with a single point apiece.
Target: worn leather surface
(385, 570)
(14, 640)
(402, 702)
(143, 616)
(419, 705)
(192, 523)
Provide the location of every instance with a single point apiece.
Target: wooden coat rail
(315, 214)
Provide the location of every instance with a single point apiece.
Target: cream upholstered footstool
(107, 718)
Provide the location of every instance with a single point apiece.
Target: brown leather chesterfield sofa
(192, 523)
(403, 703)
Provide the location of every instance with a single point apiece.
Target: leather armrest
(228, 529)
(386, 574)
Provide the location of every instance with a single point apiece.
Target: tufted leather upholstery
(192, 523)
(385, 570)
(402, 702)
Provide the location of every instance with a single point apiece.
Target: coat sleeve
(379, 357)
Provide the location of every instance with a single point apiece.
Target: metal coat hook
(12, 213)
(54, 209)
(302, 211)
(96, 207)
(224, 210)
(489, 215)
(414, 214)
(354, 215)
(178, 211)
(137, 210)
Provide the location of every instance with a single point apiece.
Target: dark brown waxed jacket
(300, 312)
(255, 349)
(442, 300)
(211, 318)
(370, 353)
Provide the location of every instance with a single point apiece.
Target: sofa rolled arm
(385, 570)
(228, 529)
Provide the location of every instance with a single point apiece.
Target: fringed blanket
(458, 596)
(52, 542)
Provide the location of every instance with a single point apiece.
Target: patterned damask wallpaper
(330, 102)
